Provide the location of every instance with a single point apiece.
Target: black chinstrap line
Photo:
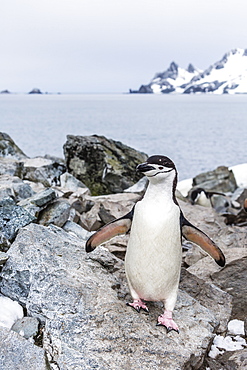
(162, 172)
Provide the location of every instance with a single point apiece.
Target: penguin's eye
(161, 167)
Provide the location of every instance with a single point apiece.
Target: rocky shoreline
(61, 308)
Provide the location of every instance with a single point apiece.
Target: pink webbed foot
(138, 305)
(167, 321)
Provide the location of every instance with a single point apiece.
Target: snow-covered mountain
(229, 75)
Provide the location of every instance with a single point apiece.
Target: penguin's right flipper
(120, 226)
(195, 235)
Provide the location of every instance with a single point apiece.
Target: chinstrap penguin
(204, 197)
(154, 251)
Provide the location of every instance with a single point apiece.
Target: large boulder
(105, 166)
(221, 179)
(8, 148)
(81, 298)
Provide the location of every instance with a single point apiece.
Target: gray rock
(21, 190)
(56, 213)
(105, 166)
(8, 148)
(12, 218)
(82, 205)
(11, 166)
(38, 201)
(235, 217)
(228, 361)
(68, 181)
(18, 353)
(27, 327)
(239, 196)
(43, 170)
(106, 208)
(75, 229)
(7, 202)
(233, 280)
(210, 296)
(235, 213)
(81, 299)
(221, 179)
(14, 187)
(214, 226)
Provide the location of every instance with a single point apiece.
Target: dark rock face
(221, 179)
(35, 91)
(203, 88)
(105, 166)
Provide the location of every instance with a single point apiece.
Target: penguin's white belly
(154, 253)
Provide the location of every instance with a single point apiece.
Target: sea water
(198, 132)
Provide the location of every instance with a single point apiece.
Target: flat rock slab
(81, 299)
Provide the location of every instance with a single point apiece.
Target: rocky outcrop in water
(35, 91)
(77, 300)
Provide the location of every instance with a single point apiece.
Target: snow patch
(184, 186)
(236, 327)
(240, 174)
(10, 312)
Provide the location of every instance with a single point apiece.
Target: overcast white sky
(111, 45)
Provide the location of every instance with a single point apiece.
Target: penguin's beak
(144, 167)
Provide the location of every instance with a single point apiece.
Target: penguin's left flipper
(195, 235)
(117, 227)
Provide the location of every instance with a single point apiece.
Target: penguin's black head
(194, 194)
(155, 165)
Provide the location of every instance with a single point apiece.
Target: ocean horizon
(198, 132)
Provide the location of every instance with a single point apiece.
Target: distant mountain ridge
(227, 76)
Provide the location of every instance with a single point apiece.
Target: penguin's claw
(138, 305)
(168, 322)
